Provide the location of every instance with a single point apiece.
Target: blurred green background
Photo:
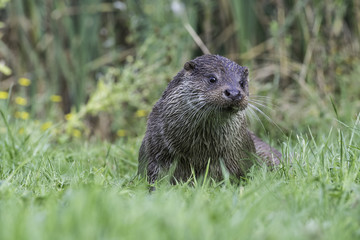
(95, 68)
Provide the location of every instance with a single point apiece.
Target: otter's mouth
(232, 109)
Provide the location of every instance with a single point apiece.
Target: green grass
(88, 190)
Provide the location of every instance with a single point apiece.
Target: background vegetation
(78, 78)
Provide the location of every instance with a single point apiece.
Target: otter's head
(217, 81)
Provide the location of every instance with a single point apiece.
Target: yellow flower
(22, 115)
(56, 98)
(76, 133)
(20, 101)
(130, 58)
(4, 95)
(5, 69)
(24, 82)
(46, 126)
(140, 113)
(68, 116)
(21, 131)
(338, 71)
(121, 133)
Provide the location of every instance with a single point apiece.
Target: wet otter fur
(200, 121)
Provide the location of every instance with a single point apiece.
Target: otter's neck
(201, 132)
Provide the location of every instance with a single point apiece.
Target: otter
(199, 125)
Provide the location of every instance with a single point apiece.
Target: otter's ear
(190, 65)
(246, 71)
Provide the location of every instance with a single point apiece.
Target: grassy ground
(77, 190)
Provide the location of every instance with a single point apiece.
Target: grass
(88, 190)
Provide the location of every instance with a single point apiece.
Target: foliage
(299, 53)
(3, 3)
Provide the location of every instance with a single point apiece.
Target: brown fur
(199, 120)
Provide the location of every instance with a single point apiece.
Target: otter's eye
(242, 84)
(212, 79)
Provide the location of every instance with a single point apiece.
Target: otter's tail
(268, 154)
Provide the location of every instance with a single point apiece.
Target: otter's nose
(232, 94)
